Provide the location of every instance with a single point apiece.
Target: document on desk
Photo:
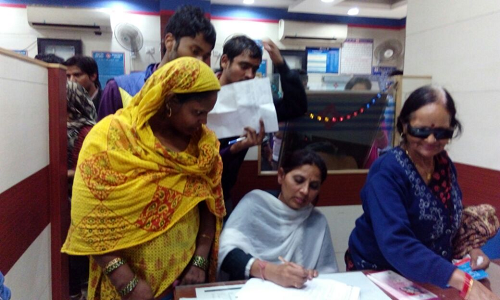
(223, 292)
(368, 290)
(316, 289)
(242, 104)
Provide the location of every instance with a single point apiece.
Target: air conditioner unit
(311, 34)
(81, 19)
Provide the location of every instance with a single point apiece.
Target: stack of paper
(316, 289)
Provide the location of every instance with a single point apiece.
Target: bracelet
(200, 262)
(114, 264)
(129, 287)
(470, 289)
(262, 266)
(467, 286)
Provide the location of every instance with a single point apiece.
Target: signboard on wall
(110, 64)
(357, 56)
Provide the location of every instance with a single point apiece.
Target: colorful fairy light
(349, 116)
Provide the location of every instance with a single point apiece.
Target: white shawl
(266, 228)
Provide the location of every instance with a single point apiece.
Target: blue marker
(236, 140)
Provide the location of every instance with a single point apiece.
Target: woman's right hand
(141, 292)
(480, 292)
(288, 274)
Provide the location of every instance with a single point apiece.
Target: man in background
(84, 71)
(241, 57)
(188, 33)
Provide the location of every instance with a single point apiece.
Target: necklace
(428, 175)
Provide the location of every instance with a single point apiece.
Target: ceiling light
(248, 1)
(353, 11)
(327, 1)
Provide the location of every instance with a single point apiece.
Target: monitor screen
(323, 60)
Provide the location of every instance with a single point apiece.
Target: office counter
(492, 282)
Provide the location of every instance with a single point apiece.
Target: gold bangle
(114, 264)
(129, 287)
(200, 262)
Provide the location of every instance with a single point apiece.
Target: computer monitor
(323, 60)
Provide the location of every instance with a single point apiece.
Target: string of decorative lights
(345, 117)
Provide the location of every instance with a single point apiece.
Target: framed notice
(110, 64)
(356, 56)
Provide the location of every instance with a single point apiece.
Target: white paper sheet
(369, 291)
(242, 104)
(224, 292)
(316, 289)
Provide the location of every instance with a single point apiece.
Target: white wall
(25, 113)
(341, 221)
(455, 41)
(29, 277)
(16, 34)
(260, 30)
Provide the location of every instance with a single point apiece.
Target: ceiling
(390, 9)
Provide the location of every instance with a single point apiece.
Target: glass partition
(347, 128)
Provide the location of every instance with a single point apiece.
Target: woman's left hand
(474, 255)
(193, 275)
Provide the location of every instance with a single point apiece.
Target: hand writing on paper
(252, 138)
(273, 51)
(289, 274)
(310, 273)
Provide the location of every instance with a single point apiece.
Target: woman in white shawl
(283, 239)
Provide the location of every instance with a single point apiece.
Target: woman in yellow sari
(147, 202)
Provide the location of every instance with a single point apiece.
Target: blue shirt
(404, 226)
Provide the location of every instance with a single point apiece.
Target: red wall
(479, 185)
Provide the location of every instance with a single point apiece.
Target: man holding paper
(240, 60)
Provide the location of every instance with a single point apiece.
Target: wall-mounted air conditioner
(69, 18)
(311, 34)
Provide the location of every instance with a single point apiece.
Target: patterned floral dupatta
(128, 188)
(440, 183)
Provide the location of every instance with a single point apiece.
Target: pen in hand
(309, 275)
(236, 140)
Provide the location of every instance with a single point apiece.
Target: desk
(492, 282)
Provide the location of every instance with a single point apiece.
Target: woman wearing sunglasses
(412, 202)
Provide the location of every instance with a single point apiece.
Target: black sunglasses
(424, 132)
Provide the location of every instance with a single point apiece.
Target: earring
(169, 110)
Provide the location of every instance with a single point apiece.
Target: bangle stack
(113, 265)
(129, 287)
(467, 287)
(200, 262)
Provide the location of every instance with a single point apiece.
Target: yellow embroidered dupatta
(128, 188)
